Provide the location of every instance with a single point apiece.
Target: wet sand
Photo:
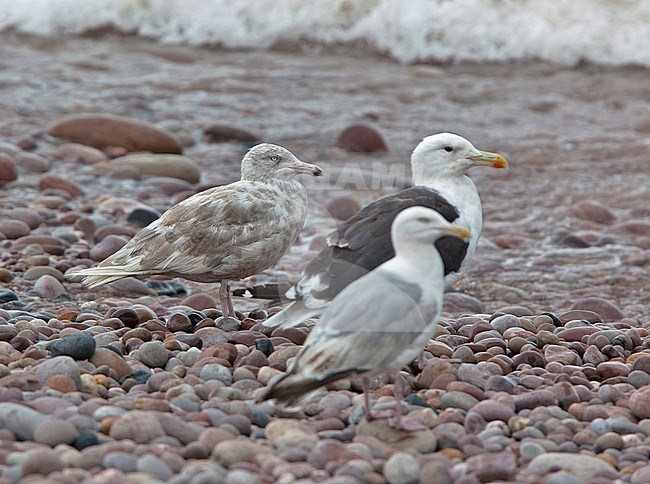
(571, 135)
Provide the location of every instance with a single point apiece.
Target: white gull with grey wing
(382, 320)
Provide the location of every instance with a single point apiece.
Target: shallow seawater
(604, 32)
(570, 134)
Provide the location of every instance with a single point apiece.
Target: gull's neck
(432, 179)
(456, 189)
(289, 186)
(421, 258)
(271, 180)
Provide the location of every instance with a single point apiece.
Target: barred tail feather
(96, 281)
(98, 276)
(294, 314)
(291, 389)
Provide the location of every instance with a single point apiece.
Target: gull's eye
(423, 220)
(448, 148)
(275, 158)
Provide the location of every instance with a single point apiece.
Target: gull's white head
(421, 225)
(449, 155)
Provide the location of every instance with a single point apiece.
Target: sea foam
(609, 32)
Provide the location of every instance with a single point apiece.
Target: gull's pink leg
(421, 361)
(366, 397)
(366, 400)
(227, 308)
(397, 422)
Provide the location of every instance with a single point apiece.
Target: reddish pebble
(361, 138)
(226, 351)
(294, 335)
(342, 208)
(41, 461)
(13, 229)
(459, 303)
(246, 337)
(139, 333)
(114, 229)
(256, 358)
(217, 133)
(179, 322)
(7, 168)
(593, 211)
(634, 227)
(127, 315)
(605, 309)
(61, 383)
(48, 286)
(576, 334)
(54, 181)
(83, 153)
(30, 217)
(131, 286)
(280, 356)
(536, 398)
(107, 247)
(104, 130)
(199, 301)
(211, 336)
(610, 369)
(50, 244)
(32, 162)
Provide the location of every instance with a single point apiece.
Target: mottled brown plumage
(221, 234)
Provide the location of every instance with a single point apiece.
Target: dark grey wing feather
(363, 241)
(453, 251)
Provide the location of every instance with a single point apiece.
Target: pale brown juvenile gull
(381, 321)
(439, 164)
(222, 234)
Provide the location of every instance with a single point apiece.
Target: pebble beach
(538, 373)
